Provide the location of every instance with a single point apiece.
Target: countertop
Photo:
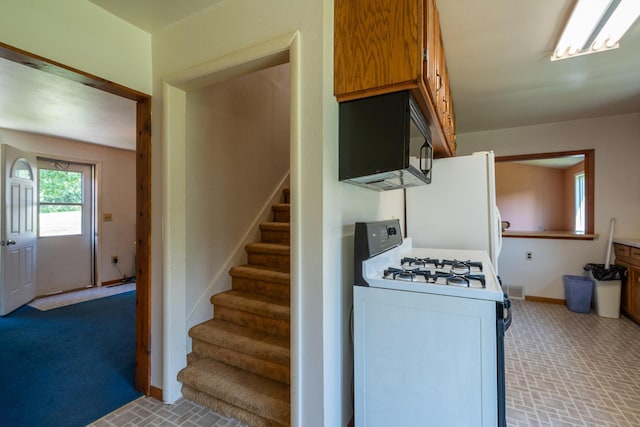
(550, 235)
(625, 241)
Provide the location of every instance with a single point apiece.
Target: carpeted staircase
(240, 364)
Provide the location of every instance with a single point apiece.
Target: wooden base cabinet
(629, 257)
(383, 46)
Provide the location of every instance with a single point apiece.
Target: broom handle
(610, 243)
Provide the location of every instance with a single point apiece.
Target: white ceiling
(554, 162)
(501, 76)
(152, 15)
(497, 54)
(43, 103)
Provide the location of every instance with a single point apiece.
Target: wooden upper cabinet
(383, 46)
(432, 43)
(377, 47)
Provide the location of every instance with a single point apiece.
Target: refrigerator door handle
(499, 237)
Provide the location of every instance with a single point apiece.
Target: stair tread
(262, 345)
(269, 248)
(275, 226)
(256, 272)
(254, 393)
(268, 306)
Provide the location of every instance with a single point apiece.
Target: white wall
(79, 34)
(237, 155)
(617, 178)
(116, 194)
(324, 210)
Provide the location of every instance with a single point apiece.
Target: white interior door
(66, 226)
(19, 229)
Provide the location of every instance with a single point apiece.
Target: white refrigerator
(458, 209)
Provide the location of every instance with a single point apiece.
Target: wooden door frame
(143, 194)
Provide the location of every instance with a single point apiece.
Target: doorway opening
(143, 196)
(179, 128)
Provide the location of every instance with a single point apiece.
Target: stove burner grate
(419, 262)
(458, 266)
(450, 277)
(405, 274)
(462, 265)
(460, 279)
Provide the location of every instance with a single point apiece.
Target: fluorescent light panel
(595, 26)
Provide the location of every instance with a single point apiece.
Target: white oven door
(423, 359)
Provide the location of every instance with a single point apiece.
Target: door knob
(11, 242)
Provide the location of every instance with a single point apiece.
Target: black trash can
(607, 284)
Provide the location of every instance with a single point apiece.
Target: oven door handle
(506, 320)
(503, 322)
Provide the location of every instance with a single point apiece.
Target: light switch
(107, 217)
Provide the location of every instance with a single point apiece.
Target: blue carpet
(69, 366)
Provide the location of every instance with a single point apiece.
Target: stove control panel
(371, 239)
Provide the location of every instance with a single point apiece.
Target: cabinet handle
(439, 80)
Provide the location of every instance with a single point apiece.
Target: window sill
(568, 235)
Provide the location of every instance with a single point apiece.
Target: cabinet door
(624, 296)
(432, 28)
(634, 293)
(440, 67)
(444, 84)
(451, 139)
(377, 47)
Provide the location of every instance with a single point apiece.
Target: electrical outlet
(114, 259)
(529, 256)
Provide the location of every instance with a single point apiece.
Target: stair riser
(271, 236)
(224, 408)
(281, 216)
(273, 356)
(253, 393)
(268, 349)
(266, 368)
(260, 287)
(280, 262)
(193, 358)
(255, 321)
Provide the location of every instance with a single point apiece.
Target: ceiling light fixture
(595, 26)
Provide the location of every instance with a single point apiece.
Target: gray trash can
(578, 291)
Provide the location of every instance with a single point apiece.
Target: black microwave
(385, 142)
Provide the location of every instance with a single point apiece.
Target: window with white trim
(580, 199)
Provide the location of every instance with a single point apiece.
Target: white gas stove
(454, 272)
(428, 333)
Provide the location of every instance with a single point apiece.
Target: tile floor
(571, 369)
(563, 369)
(147, 411)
